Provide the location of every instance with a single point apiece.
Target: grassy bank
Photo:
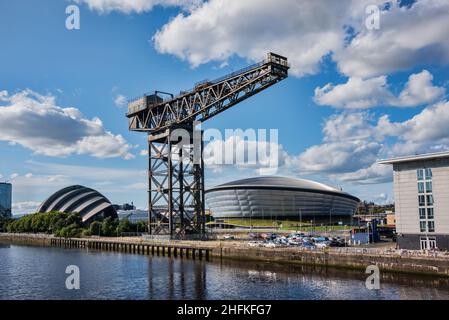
(284, 225)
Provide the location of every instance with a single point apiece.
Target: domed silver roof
(269, 182)
(88, 202)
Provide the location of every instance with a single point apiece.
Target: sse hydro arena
(280, 198)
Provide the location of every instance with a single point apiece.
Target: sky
(363, 85)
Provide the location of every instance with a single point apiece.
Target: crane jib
(152, 113)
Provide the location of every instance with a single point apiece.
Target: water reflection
(176, 279)
(39, 273)
(333, 283)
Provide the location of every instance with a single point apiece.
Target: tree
(141, 226)
(124, 226)
(95, 228)
(70, 231)
(108, 227)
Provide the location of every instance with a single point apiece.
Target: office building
(5, 199)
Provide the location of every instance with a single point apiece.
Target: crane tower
(175, 165)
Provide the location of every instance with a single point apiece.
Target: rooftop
(279, 182)
(416, 157)
(268, 182)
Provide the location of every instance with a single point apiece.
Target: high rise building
(5, 199)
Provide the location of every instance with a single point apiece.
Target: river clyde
(34, 272)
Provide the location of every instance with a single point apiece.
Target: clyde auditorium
(89, 203)
(280, 197)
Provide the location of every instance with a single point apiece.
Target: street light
(330, 219)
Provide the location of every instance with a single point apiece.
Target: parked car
(228, 237)
(270, 245)
(307, 245)
(321, 245)
(254, 244)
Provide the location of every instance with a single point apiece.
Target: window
(422, 213)
(422, 226)
(428, 243)
(421, 200)
(420, 174)
(420, 187)
(423, 243)
(431, 226)
(428, 174)
(432, 243)
(429, 199)
(429, 214)
(429, 186)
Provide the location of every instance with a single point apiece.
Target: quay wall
(436, 266)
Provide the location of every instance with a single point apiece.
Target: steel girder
(207, 99)
(176, 186)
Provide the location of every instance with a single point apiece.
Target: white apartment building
(421, 193)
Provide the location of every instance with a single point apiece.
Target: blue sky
(346, 103)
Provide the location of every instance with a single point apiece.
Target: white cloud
(338, 157)
(308, 31)
(120, 100)
(350, 145)
(408, 37)
(419, 90)
(25, 207)
(90, 173)
(348, 126)
(304, 31)
(424, 132)
(43, 179)
(3, 95)
(353, 142)
(137, 6)
(376, 173)
(37, 123)
(358, 93)
(143, 152)
(265, 157)
(354, 94)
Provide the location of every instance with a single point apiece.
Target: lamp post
(330, 219)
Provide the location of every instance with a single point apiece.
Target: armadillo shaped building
(89, 203)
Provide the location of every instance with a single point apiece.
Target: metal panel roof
(416, 157)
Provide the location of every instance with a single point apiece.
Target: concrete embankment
(340, 258)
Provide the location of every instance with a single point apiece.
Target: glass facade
(421, 187)
(5, 199)
(425, 200)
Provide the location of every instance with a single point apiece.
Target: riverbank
(348, 258)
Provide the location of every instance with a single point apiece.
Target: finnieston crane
(175, 174)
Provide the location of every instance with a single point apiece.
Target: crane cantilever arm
(151, 114)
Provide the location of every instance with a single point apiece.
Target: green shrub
(95, 228)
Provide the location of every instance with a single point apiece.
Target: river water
(32, 272)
